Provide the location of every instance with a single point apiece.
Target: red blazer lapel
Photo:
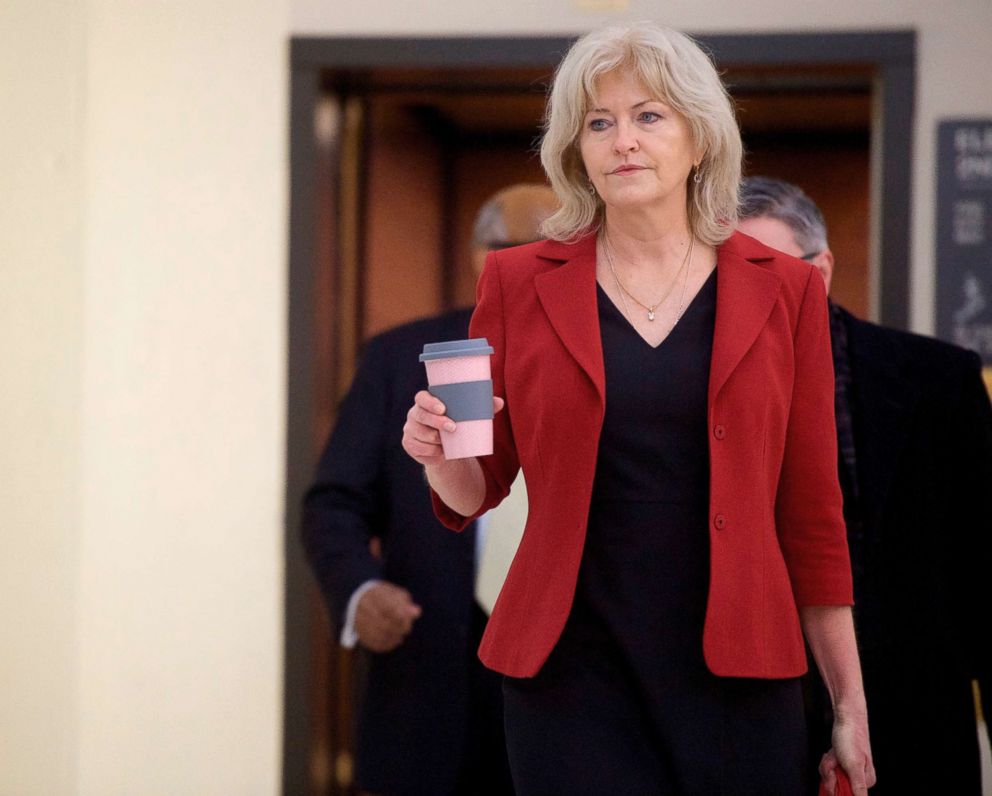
(745, 295)
(568, 295)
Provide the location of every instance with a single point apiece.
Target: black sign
(964, 235)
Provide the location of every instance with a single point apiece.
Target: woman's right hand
(422, 430)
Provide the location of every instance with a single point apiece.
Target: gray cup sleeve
(466, 400)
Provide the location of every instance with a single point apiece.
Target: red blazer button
(719, 522)
(719, 432)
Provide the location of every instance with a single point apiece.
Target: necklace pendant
(650, 315)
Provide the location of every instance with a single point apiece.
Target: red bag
(843, 785)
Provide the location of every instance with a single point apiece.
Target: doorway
(395, 143)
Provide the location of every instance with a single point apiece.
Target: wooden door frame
(891, 53)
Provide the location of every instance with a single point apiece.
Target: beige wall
(180, 589)
(40, 360)
(142, 331)
(954, 57)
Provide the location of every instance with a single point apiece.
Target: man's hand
(384, 617)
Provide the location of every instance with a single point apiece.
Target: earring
(590, 187)
(697, 177)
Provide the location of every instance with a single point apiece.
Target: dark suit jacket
(923, 442)
(776, 529)
(413, 722)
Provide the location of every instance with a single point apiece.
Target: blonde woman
(666, 386)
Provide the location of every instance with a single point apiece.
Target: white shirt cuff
(349, 638)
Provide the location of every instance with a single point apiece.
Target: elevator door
(423, 151)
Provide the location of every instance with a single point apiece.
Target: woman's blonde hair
(676, 71)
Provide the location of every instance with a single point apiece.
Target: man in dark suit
(914, 428)
(430, 720)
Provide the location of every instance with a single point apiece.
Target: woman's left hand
(830, 632)
(851, 751)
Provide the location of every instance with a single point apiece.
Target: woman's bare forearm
(830, 632)
(460, 483)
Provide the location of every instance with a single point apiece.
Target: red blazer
(777, 537)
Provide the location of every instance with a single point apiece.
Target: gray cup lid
(476, 346)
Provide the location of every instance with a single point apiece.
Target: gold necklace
(685, 281)
(650, 309)
(623, 300)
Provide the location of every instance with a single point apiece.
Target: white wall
(954, 58)
(142, 335)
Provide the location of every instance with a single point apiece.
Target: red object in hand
(843, 785)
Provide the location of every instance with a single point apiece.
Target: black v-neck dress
(625, 703)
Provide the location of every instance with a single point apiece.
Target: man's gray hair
(767, 197)
(489, 224)
(513, 215)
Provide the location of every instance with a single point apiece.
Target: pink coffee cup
(458, 373)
